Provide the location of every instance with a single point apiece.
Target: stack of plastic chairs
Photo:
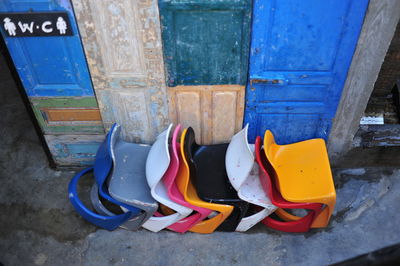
(181, 186)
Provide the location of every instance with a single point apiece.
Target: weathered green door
(206, 49)
(206, 42)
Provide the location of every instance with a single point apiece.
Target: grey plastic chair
(127, 182)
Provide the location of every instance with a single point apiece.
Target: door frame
(376, 34)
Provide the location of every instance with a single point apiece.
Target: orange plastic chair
(187, 189)
(303, 175)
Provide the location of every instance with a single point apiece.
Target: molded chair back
(267, 178)
(243, 174)
(158, 166)
(173, 192)
(303, 173)
(128, 183)
(185, 186)
(208, 174)
(101, 169)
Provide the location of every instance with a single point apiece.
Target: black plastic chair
(208, 174)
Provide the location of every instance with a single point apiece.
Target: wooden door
(55, 77)
(205, 47)
(123, 47)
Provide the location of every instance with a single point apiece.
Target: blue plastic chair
(102, 168)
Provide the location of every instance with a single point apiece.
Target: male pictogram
(9, 26)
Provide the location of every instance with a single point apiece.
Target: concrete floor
(39, 226)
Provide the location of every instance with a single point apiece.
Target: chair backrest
(270, 146)
(243, 175)
(211, 180)
(207, 169)
(265, 178)
(189, 192)
(268, 179)
(158, 160)
(127, 182)
(173, 192)
(182, 178)
(102, 170)
(104, 167)
(177, 170)
(239, 159)
(159, 166)
(103, 161)
(170, 176)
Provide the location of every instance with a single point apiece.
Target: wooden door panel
(68, 115)
(214, 112)
(122, 42)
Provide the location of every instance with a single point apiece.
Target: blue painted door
(49, 66)
(300, 55)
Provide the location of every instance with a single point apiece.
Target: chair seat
(267, 178)
(303, 173)
(127, 182)
(185, 186)
(211, 180)
(104, 169)
(243, 176)
(198, 213)
(159, 165)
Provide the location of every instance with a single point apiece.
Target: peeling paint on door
(74, 150)
(69, 115)
(123, 48)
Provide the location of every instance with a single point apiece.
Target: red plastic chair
(267, 180)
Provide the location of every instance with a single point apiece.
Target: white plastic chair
(157, 166)
(243, 175)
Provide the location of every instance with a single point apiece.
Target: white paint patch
(372, 120)
(355, 171)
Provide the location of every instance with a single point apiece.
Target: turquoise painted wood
(300, 55)
(49, 66)
(206, 42)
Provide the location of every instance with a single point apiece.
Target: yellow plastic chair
(187, 189)
(303, 175)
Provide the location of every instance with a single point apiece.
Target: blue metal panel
(49, 66)
(300, 54)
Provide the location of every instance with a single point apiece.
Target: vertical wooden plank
(207, 113)
(190, 111)
(122, 42)
(223, 108)
(240, 103)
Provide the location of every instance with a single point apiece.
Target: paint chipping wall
(122, 43)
